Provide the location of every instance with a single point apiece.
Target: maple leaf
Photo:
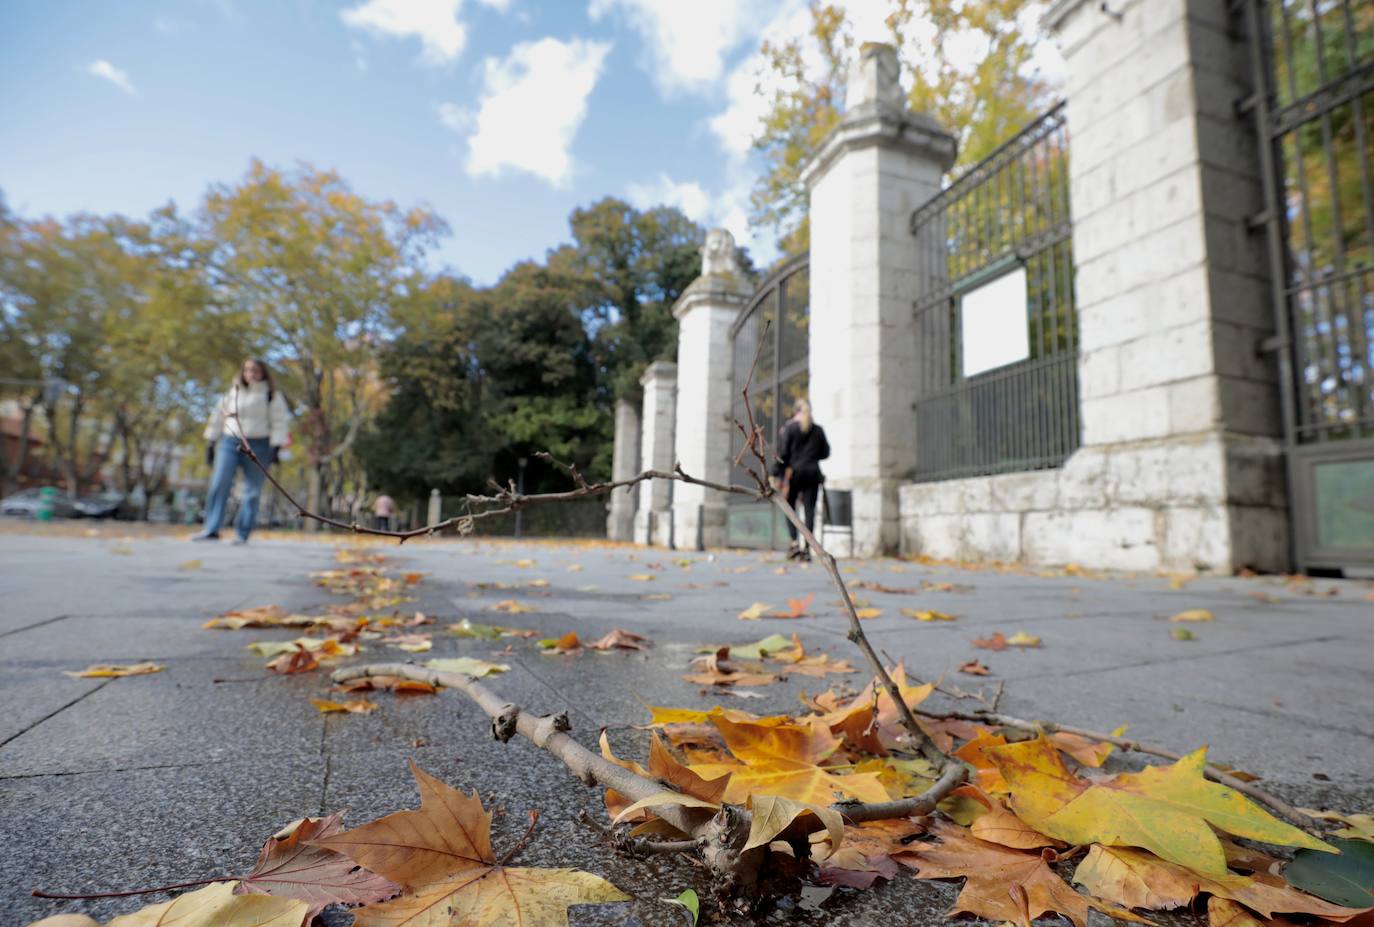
(974, 668)
(1022, 639)
(568, 643)
(998, 641)
(511, 607)
(865, 613)
(1002, 884)
(755, 611)
(1085, 750)
(716, 670)
(1139, 879)
(442, 854)
(1359, 826)
(927, 615)
(999, 825)
(1166, 809)
(775, 817)
(621, 640)
(796, 608)
(216, 905)
(398, 684)
(115, 670)
(357, 706)
(291, 866)
(783, 759)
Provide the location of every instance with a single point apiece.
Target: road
(117, 784)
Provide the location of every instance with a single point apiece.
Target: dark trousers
(806, 491)
(383, 522)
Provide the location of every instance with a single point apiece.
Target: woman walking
(253, 411)
(797, 472)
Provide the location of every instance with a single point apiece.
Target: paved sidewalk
(164, 778)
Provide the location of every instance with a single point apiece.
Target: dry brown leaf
(998, 641)
(796, 608)
(974, 668)
(398, 684)
(290, 865)
(621, 640)
(356, 706)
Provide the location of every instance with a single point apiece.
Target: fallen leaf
(291, 865)
(755, 611)
(568, 643)
(664, 767)
(974, 668)
(1165, 809)
(657, 597)
(796, 608)
(398, 684)
(927, 614)
(998, 641)
(1360, 826)
(356, 706)
(773, 643)
(511, 607)
(467, 666)
(665, 798)
(773, 814)
(1137, 878)
(643, 577)
(190, 564)
(1085, 750)
(116, 670)
(525, 564)
(1347, 879)
(1022, 639)
(888, 590)
(1001, 884)
(1182, 634)
(216, 905)
(411, 643)
(326, 648)
(621, 640)
(1193, 614)
(687, 900)
(299, 660)
(864, 614)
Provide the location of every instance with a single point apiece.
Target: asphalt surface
(150, 780)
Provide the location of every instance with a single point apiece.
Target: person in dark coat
(797, 472)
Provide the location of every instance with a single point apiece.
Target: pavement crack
(558, 693)
(54, 713)
(36, 624)
(1183, 659)
(100, 772)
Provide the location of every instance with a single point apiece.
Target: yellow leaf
(524, 564)
(116, 670)
(1136, 878)
(1193, 614)
(494, 896)
(511, 606)
(467, 666)
(755, 611)
(216, 905)
(1022, 639)
(1165, 809)
(357, 706)
(773, 814)
(643, 577)
(190, 564)
(863, 613)
(927, 615)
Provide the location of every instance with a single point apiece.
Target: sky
(500, 115)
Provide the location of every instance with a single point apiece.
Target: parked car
(104, 505)
(27, 502)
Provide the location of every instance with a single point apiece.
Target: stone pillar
(1179, 404)
(705, 312)
(620, 520)
(654, 518)
(878, 165)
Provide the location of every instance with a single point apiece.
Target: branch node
(503, 725)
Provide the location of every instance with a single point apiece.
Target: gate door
(1313, 67)
(775, 328)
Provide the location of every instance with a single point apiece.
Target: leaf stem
(39, 893)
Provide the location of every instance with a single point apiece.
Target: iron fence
(1007, 216)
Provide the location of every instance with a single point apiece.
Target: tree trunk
(314, 481)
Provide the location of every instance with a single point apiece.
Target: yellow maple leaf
(1193, 614)
(927, 614)
(755, 611)
(1169, 810)
(116, 670)
(864, 613)
(216, 905)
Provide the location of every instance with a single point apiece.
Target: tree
(984, 98)
(316, 268)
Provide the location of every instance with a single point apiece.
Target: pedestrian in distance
(797, 472)
(252, 411)
(383, 508)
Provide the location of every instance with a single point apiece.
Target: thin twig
(524, 839)
(39, 893)
(1211, 771)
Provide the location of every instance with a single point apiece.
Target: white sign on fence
(993, 324)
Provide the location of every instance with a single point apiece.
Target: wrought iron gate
(1313, 109)
(999, 397)
(780, 316)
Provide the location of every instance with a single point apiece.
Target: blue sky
(502, 115)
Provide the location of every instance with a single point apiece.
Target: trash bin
(47, 501)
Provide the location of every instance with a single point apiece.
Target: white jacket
(246, 412)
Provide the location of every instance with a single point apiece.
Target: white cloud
(117, 76)
(533, 102)
(434, 22)
(687, 195)
(455, 118)
(686, 41)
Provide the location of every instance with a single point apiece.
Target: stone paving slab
(161, 778)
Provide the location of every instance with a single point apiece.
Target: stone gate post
(878, 165)
(620, 520)
(705, 312)
(654, 519)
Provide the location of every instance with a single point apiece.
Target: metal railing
(1009, 212)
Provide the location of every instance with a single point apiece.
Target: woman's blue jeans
(228, 459)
